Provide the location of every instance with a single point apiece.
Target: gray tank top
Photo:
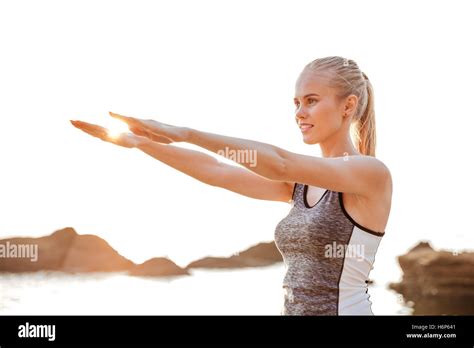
(328, 257)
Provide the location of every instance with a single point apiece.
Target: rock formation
(158, 266)
(67, 251)
(262, 254)
(64, 250)
(437, 282)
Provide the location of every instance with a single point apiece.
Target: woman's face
(318, 112)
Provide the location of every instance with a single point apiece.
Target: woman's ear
(350, 105)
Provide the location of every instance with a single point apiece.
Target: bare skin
(364, 180)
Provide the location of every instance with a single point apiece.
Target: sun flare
(114, 129)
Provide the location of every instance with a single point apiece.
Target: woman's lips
(305, 127)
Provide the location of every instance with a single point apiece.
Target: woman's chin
(310, 141)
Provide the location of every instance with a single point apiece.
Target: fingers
(88, 126)
(129, 120)
(80, 123)
(116, 115)
(145, 133)
(138, 131)
(91, 129)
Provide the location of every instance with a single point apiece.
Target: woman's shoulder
(380, 170)
(375, 164)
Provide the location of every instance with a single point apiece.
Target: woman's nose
(300, 115)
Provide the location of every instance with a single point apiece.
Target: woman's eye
(310, 101)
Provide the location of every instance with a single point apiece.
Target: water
(252, 291)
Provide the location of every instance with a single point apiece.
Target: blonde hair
(345, 76)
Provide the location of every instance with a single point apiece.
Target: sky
(226, 67)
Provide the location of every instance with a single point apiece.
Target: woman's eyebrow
(309, 95)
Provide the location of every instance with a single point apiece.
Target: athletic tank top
(328, 257)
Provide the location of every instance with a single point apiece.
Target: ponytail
(364, 127)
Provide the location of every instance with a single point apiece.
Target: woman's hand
(154, 130)
(128, 140)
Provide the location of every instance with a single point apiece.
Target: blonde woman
(340, 202)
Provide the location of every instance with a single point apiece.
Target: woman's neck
(338, 146)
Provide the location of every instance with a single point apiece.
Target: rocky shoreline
(67, 251)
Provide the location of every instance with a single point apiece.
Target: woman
(340, 202)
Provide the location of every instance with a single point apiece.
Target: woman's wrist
(185, 134)
(141, 141)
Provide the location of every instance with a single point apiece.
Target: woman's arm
(354, 174)
(210, 171)
(362, 175)
(200, 166)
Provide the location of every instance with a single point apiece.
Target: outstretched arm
(196, 164)
(355, 174)
(360, 175)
